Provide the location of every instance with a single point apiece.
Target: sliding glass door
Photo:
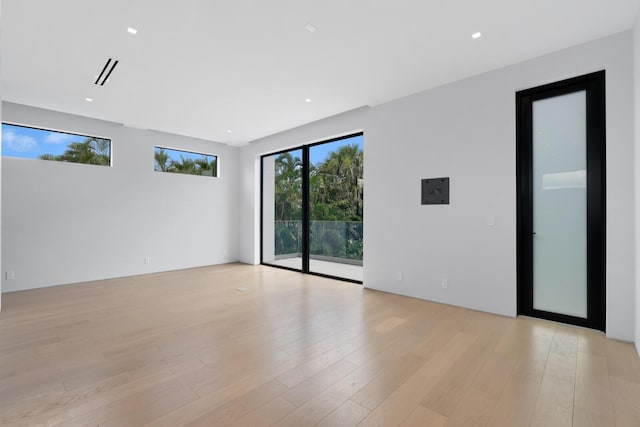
(312, 208)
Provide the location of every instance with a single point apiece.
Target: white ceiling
(201, 67)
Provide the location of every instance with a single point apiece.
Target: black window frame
(217, 158)
(46, 129)
(305, 206)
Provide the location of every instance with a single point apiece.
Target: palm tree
(161, 160)
(288, 203)
(185, 165)
(102, 147)
(341, 177)
(288, 187)
(94, 151)
(336, 195)
(206, 167)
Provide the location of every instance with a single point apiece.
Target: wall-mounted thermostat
(435, 191)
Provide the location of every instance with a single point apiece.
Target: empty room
(320, 213)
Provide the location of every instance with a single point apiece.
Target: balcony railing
(338, 241)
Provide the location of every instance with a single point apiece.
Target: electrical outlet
(224, 252)
(10, 275)
(147, 260)
(491, 221)
(399, 275)
(444, 283)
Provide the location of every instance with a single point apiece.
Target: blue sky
(29, 143)
(319, 153)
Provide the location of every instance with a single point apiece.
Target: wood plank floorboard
(185, 348)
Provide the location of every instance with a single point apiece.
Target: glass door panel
(336, 183)
(560, 204)
(282, 209)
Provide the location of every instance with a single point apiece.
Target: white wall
(466, 130)
(636, 51)
(67, 223)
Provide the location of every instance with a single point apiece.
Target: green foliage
(335, 201)
(162, 160)
(92, 151)
(203, 166)
(336, 186)
(288, 188)
(288, 237)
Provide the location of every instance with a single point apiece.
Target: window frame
(217, 175)
(47, 129)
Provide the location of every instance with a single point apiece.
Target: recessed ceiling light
(310, 27)
(476, 35)
(307, 100)
(229, 131)
(89, 99)
(132, 30)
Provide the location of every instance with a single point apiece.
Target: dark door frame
(594, 85)
(305, 206)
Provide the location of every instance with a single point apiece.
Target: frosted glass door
(559, 181)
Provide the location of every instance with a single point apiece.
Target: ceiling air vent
(106, 71)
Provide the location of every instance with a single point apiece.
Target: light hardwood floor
(186, 348)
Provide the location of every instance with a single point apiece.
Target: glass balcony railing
(337, 241)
